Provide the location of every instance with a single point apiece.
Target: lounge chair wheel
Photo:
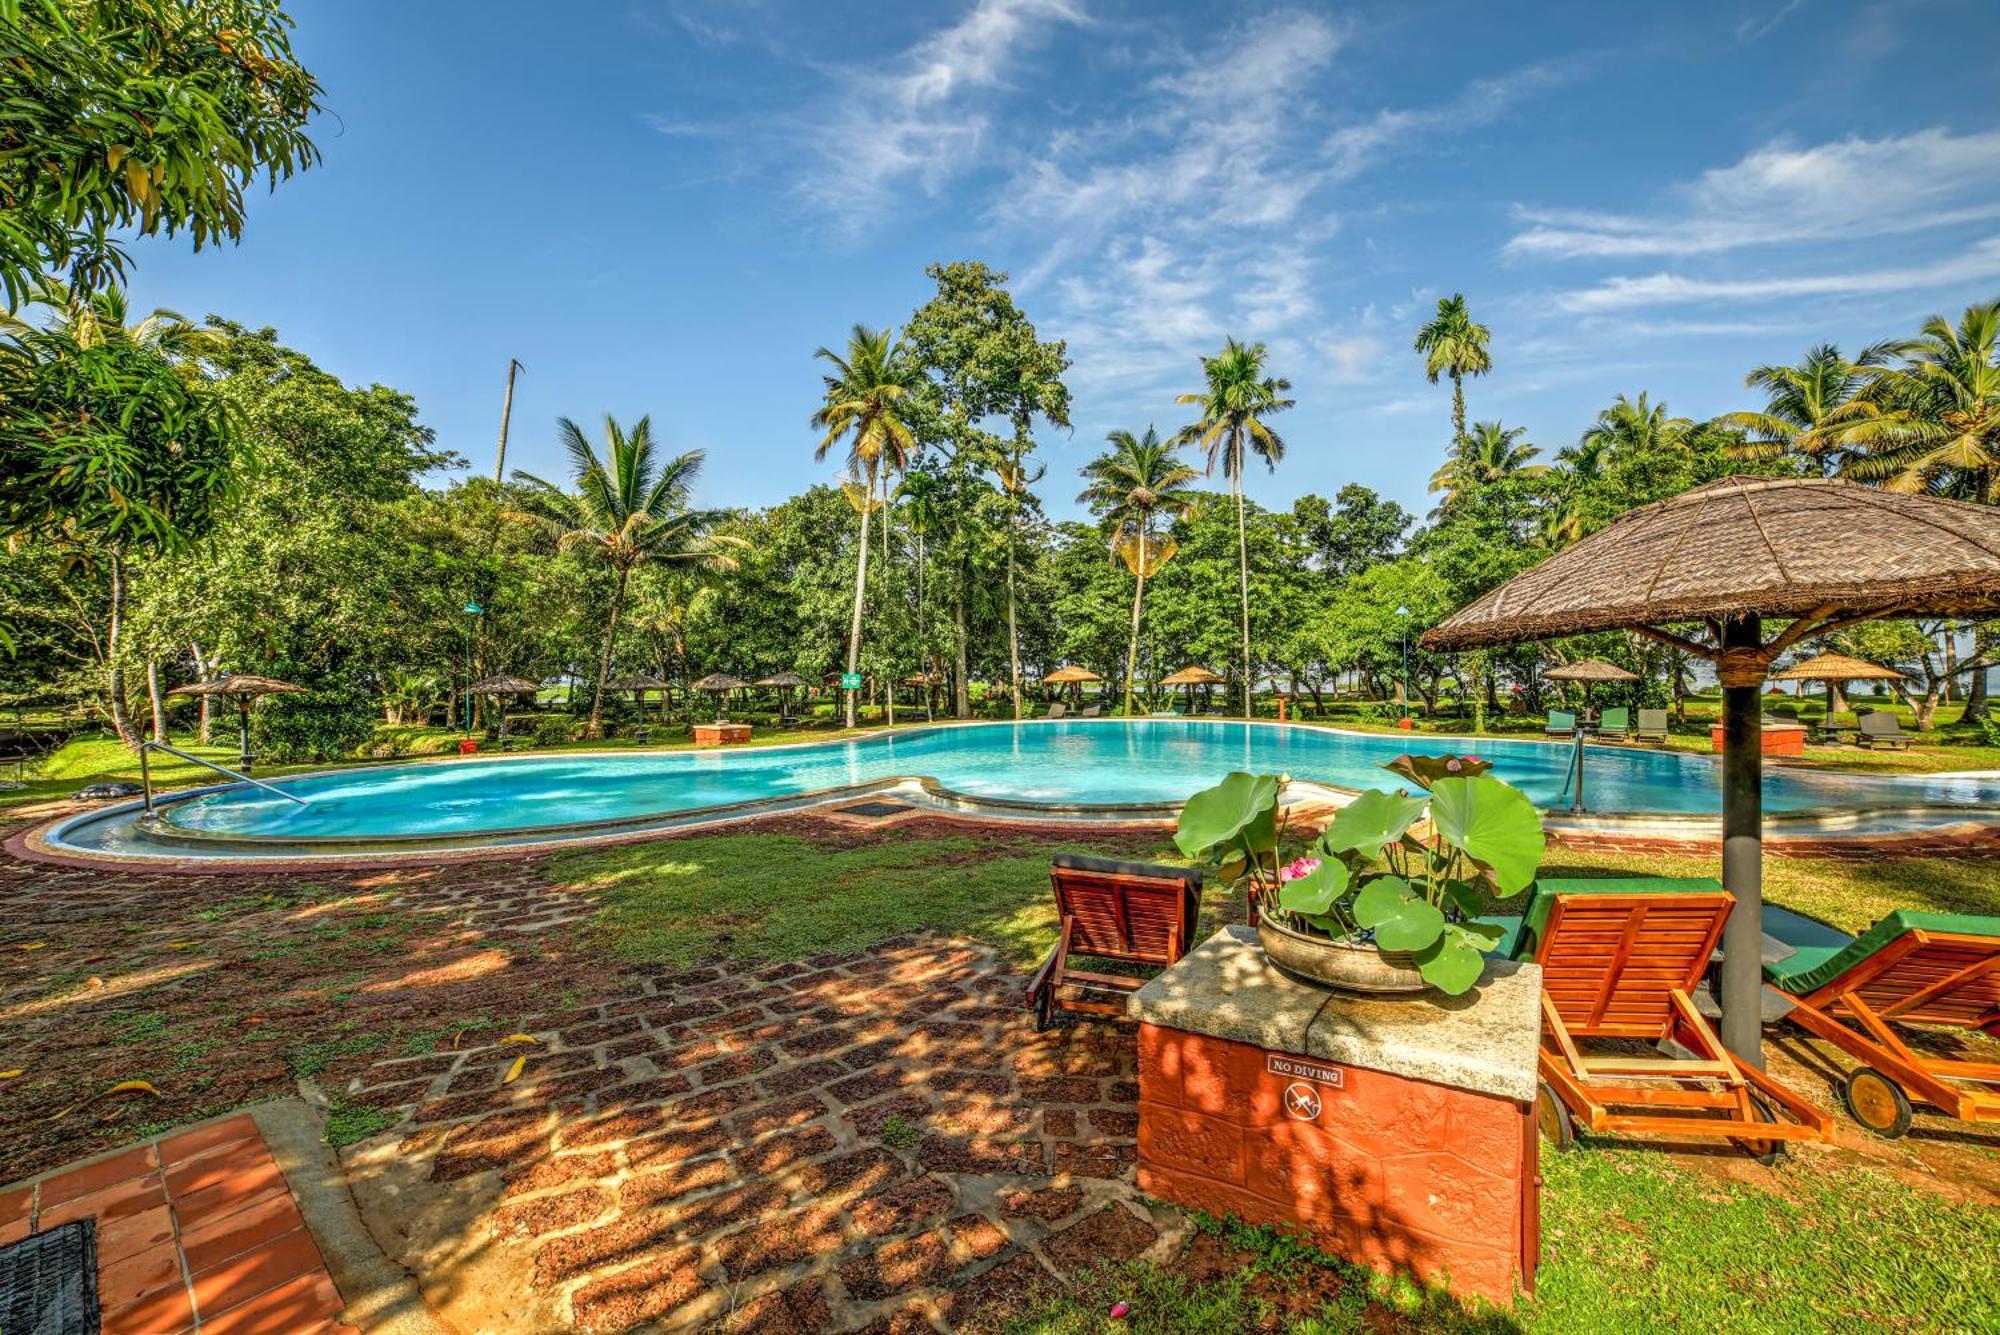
(1877, 1102)
(1766, 1152)
(1553, 1118)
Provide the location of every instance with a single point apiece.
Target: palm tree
(1577, 470)
(863, 400)
(1808, 408)
(1491, 454)
(1453, 345)
(1939, 425)
(1128, 484)
(627, 511)
(1636, 429)
(1233, 407)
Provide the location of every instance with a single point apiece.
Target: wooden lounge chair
(1620, 959)
(1057, 710)
(1933, 969)
(1652, 726)
(1132, 911)
(1615, 723)
(1880, 728)
(1561, 723)
(1090, 711)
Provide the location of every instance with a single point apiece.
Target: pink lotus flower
(1299, 869)
(1120, 1310)
(1454, 764)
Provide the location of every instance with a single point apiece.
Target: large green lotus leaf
(1452, 963)
(1400, 919)
(1242, 802)
(1427, 770)
(1371, 820)
(1492, 822)
(1315, 893)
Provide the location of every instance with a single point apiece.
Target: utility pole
(506, 415)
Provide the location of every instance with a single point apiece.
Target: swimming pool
(1100, 766)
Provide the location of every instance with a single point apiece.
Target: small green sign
(850, 681)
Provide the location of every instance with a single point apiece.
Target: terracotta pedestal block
(1780, 739)
(1385, 1167)
(721, 734)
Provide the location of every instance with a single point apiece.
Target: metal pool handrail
(146, 773)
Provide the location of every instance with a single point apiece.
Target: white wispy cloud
(1351, 149)
(1753, 28)
(916, 116)
(1779, 193)
(1981, 261)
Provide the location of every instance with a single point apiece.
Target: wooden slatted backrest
(1610, 961)
(1934, 978)
(1127, 910)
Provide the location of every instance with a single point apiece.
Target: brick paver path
(879, 1142)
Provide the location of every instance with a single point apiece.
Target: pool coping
(41, 843)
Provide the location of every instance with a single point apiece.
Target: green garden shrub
(325, 723)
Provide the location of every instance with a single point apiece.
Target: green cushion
(1510, 933)
(1821, 958)
(1616, 719)
(1561, 718)
(1528, 939)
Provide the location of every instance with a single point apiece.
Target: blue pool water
(1147, 761)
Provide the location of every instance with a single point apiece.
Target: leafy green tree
(863, 403)
(1137, 478)
(626, 510)
(1939, 429)
(1491, 454)
(1454, 346)
(137, 117)
(1810, 408)
(1237, 399)
(1359, 529)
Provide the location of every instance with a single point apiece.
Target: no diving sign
(1302, 1099)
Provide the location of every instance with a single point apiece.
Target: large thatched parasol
(639, 683)
(1589, 670)
(1064, 676)
(1833, 669)
(721, 683)
(784, 683)
(245, 688)
(1194, 676)
(1702, 572)
(504, 685)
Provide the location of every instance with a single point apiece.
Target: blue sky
(664, 205)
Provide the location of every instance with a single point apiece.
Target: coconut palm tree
(1808, 408)
(1453, 345)
(1137, 478)
(627, 510)
(1939, 424)
(1233, 407)
(863, 403)
(1636, 428)
(1492, 453)
(1576, 472)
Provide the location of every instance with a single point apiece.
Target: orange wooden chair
(1938, 970)
(1620, 960)
(1132, 911)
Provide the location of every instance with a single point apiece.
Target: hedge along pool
(1072, 768)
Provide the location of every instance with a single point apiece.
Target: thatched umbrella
(641, 682)
(1587, 672)
(1834, 669)
(245, 689)
(1071, 676)
(721, 683)
(1714, 563)
(1192, 677)
(503, 685)
(785, 683)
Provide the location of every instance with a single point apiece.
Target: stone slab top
(1484, 1041)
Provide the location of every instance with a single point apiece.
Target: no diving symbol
(1302, 1101)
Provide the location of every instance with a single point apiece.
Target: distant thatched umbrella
(1589, 670)
(1192, 677)
(1817, 554)
(504, 685)
(641, 682)
(1834, 669)
(721, 683)
(1071, 676)
(785, 683)
(245, 688)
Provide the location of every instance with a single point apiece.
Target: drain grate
(48, 1282)
(877, 809)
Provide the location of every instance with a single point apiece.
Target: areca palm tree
(627, 510)
(1238, 397)
(863, 403)
(1491, 453)
(1454, 346)
(1137, 478)
(1809, 409)
(1939, 425)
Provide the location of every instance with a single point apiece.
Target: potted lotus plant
(1386, 898)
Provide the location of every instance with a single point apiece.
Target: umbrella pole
(243, 704)
(1742, 846)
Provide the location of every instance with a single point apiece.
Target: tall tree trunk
(204, 719)
(1976, 706)
(1243, 583)
(595, 728)
(1138, 597)
(889, 684)
(961, 685)
(114, 681)
(1457, 409)
(854, 627)
(923, 633)
(153, 699)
